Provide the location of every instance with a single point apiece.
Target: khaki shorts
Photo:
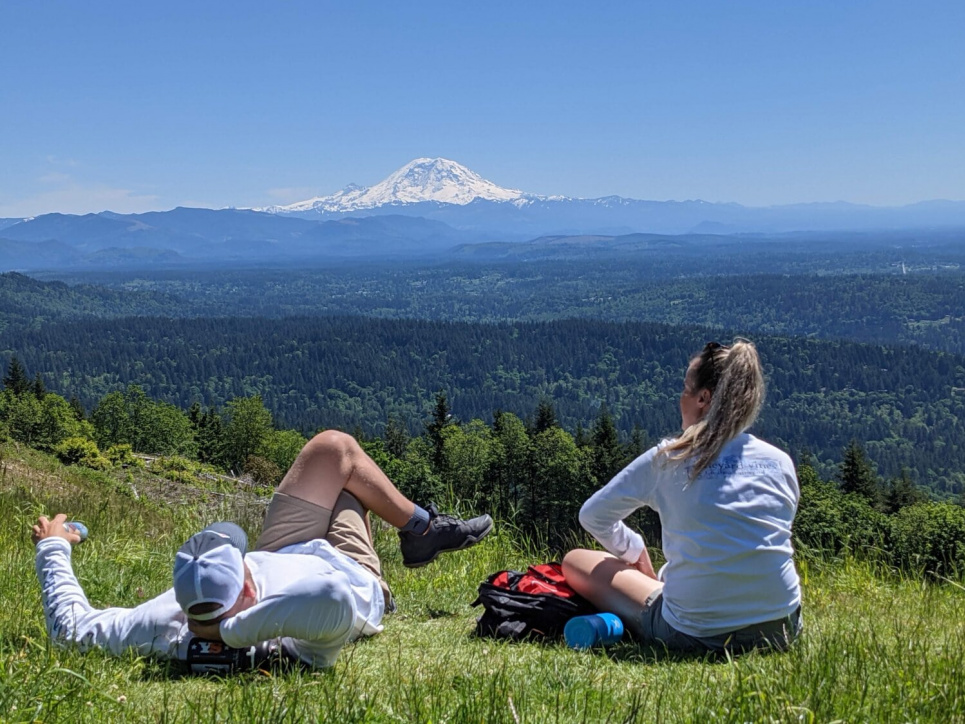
(292, 520)
(778, 634)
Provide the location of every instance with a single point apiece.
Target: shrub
(262, 471)
(930, 537)
(81, 451)
(413, 474)
(123, 456)
(835, 522)
(182, 470)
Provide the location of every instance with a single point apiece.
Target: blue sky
(134, 106)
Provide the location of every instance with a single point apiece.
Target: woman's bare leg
(332, 462)
(610, 584)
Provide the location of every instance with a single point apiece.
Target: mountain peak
(420, 180)
(439, 179)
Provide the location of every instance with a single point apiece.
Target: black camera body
(216, 657)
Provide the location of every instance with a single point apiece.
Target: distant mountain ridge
(185, 236)
(430, 206)
(444, 190)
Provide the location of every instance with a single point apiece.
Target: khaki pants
(292, 520)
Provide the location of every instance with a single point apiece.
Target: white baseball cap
(209, 568)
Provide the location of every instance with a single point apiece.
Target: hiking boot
(445, 533)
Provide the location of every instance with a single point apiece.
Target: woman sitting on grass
(726, 501)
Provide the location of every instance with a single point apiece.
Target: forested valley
(905, 404)
(922, 305)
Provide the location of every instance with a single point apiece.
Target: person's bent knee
(575, 568)
(333, 442)
(570, 559)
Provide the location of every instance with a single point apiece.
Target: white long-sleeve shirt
(310, 597)
(726, 535)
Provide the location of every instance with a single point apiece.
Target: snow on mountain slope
(424, 179)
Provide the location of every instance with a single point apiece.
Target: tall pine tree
(396, 437)
(545, 417)
(607, 456)
(16, 379)
(441, 417)
(856, 474)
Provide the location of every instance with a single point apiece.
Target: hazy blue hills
(553, 227)
(186, 236)
(615, 215)
(36, 254)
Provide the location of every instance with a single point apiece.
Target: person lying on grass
(726, 501)
(314, 581)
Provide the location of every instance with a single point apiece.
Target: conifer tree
(903, 492)
(441, 418)
(75, 404)
(580, 436)
(195, 415)
(16, 378)
(607, 456)
(396, 437)
(209, 433)
(545, 417)
(856, 474)
(638, 443)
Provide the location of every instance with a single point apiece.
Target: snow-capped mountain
(424, 179)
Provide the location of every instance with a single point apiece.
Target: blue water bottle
(598, 629)
(75, 526)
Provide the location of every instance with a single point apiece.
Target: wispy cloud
(55, 177)
(58, 161)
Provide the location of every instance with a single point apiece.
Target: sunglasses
(709, 349)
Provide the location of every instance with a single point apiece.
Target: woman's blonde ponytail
(734, 377)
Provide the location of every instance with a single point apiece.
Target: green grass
(877, 646)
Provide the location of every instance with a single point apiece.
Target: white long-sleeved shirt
(726, 535)
(310, 597)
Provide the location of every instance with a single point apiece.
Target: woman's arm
(602, 515)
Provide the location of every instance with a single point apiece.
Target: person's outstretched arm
(156, 627)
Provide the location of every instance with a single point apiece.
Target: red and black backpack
(536, 603)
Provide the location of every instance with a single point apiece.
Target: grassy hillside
(877, 647)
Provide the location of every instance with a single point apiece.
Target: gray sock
(418, 523)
